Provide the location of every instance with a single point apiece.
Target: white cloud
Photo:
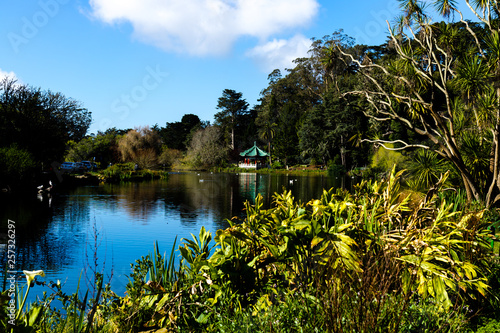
(204, 27)
(280, 53)
(4, 74)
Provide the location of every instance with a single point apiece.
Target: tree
(142, 146)
(233, 107)
(327, 66)
(443, 93)
(266, 127)
(327, 129)
(285, 142)
(207, 148)
(176, 135)
(246, 132)
(267, 112)
(285, 102)
(39, 122)
(169, 157)
(300, 87)
(102, 148)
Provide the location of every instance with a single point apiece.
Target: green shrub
(489, 326)
(291, 311)
(426, 316)
(146, 174)
(425, 169)
(386, 159)
(117, 172)
(336, 170)
(277, 165)
(128, 172)
(16, 165)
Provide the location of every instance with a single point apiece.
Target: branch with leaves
(443, 92)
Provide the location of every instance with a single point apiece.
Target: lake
(119, 223)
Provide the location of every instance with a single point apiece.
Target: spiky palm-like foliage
(425, 169)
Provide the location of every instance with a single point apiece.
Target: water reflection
(131, 217)
(40, 241)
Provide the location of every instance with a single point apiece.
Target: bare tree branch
(404, 146)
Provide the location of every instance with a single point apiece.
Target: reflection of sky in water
(129, 218)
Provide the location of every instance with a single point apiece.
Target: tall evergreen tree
(233, 108)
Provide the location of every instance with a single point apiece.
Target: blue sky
(141, 62)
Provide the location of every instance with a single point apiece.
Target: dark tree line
(35, 126)
(177, 135)
(300, 116)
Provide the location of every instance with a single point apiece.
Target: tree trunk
(469, 184)
(494, 161)
(269, 151)
(342, 150)
(232, 138)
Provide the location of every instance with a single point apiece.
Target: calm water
(123, 221)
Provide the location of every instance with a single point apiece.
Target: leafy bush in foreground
(345, 262)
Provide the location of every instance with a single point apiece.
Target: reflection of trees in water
(202, 196)
(217, 197)
(140, 200)
(49, 238)
(46, 237)
(52, 238)
(253, 184)
(304, 188)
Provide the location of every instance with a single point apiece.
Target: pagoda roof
(254, 152)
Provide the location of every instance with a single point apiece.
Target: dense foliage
(441, 82)
(101, 148)
(34, 128)
(176, 135)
